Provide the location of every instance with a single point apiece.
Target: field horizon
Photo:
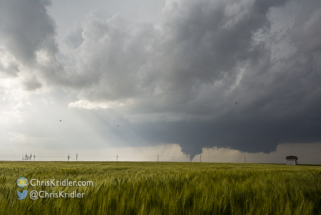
(164, 188)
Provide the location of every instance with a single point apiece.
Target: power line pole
(68, 157)
(117, 158)
(77, 157)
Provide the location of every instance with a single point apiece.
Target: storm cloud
(241, 74)
(25, 28)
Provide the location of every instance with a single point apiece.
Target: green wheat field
(165, 188)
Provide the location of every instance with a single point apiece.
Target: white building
(291, 160)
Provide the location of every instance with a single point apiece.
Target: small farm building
(291, 160)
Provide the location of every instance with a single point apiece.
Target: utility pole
(77, 157)
(117, 158)
(68, 157)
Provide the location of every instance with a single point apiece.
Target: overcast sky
(184, 77)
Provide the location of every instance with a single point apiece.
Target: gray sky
(188, 76)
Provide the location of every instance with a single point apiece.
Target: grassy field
(165, 188)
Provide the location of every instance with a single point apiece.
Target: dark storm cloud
(306, 32)
(196, 43)
(24, 27)
(205, 67)
(210, 73)
(251, 136)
